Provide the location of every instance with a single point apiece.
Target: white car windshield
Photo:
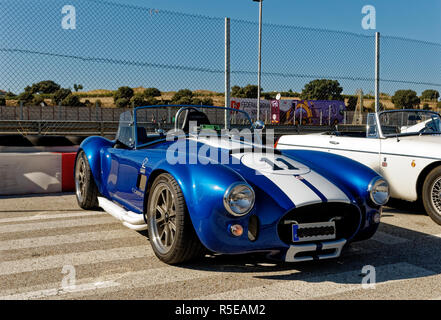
(409, 122)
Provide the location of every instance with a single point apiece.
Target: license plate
(313, 231)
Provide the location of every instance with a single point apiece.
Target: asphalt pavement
(51, 249)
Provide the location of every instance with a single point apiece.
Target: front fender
(92, 147)
(204, 187)
(347, 174)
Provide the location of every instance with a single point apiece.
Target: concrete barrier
(33, 173)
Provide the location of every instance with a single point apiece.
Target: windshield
(153, 123)
(410, 122)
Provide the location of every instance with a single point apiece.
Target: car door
(363, 150)
(123, 167)
(126, 167)
(361, 147)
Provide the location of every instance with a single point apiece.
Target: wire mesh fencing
(94, 47)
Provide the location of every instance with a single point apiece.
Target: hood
(277, 175)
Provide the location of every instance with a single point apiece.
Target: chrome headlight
(379, 191)
(239, 199)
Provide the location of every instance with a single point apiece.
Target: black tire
(183, 244)
(85, 186)
(431, 194)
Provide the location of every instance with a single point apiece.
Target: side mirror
(160, 131)
(259, 125)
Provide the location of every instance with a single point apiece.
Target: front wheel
(85, 187)
(431, 195)
(171, 231)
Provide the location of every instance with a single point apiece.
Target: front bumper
(315, 251)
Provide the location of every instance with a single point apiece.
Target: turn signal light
(236, 230)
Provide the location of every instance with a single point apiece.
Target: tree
(152, 92)
(38, 100)
(78, 87)
(123, 94)
(249, 91)
(60, 95)
(352, 103)
(430, 95)
(151, 101)
(322, 89)
(237, 92)
(25, 97)
(122, 103)
(138, 100)
(45, 87)
(10, 95)
(71, 101)
(207, 102)
(184, 96)
(406, 99)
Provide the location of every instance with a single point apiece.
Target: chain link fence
(103, 46)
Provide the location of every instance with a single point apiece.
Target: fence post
(21, 110)
(329, 116)
(227, 72)
(301, 117)
(294, 117)
(96, 111)
(344, 117)
(59, 110)
(321, 117)
(377, 71)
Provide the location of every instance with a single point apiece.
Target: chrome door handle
(334, 142)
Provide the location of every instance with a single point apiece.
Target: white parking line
(48, 293)
(66, 239)
(74, 259)
(52, 216)
(109, 283)
(56, 224)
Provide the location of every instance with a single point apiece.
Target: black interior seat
(194, 116)
(142, 135)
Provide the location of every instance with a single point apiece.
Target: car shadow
(409, 255)
(406, 207)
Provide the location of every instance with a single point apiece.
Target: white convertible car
(404, 146)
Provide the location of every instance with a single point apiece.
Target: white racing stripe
(52, 216)
(106, 219)
(326, 285)
(74, 259)
(66, 239)
(327, 188)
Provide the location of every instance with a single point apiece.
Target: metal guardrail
(108, 128)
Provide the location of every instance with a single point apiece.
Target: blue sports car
(210, 183)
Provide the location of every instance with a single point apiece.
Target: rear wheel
(431, 195)
(171, 232)
(85, 187)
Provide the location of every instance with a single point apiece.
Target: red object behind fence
(67, 172)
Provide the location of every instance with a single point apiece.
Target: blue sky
(114, 45)
(406, 18)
